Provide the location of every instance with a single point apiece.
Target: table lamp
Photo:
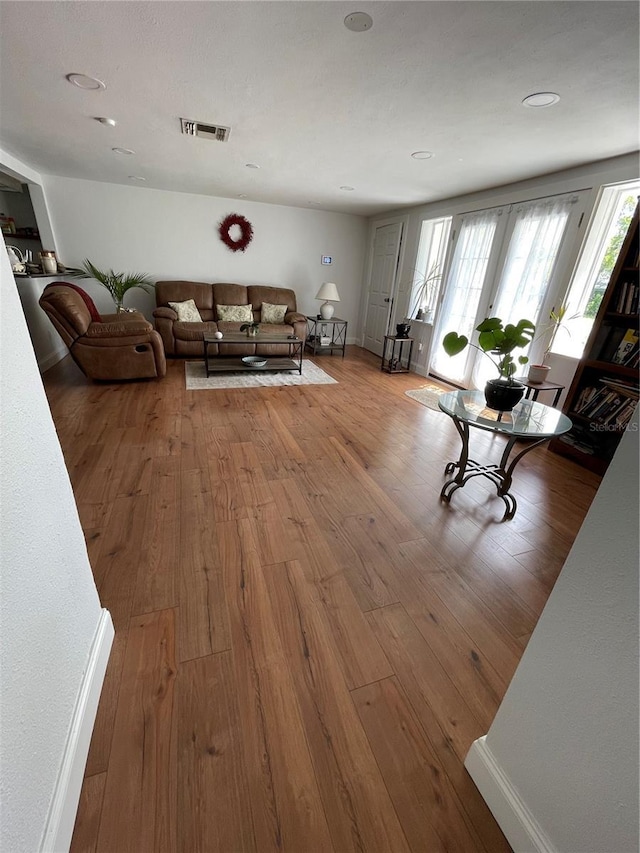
(329, 292)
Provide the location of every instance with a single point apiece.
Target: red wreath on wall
(246, 235)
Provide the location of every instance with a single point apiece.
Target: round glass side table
(529, 421)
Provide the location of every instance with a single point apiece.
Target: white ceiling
(315, 105)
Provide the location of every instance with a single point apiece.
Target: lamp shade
(328, 291)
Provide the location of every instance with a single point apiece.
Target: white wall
(565, 738)
(173, 235)
(49, 607)
(589, 177)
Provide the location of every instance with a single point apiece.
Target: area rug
(428, 395)
(197, 380)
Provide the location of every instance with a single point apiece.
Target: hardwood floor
(307, 640)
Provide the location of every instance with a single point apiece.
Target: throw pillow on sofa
(273, 313)
(235, 313)
(187, 311)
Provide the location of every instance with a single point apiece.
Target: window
(427, 277)
(593, 271)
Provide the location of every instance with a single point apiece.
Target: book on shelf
(618, 415)
(585, 396)
(621, 296)
(627, 298)
(633, 360)
(567, 438)
(626, 346)
(624, 416)
(576, 438)
(628, 388)
(631, 304)
(611, 401)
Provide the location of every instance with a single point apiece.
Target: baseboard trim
(51, 358)
(66, 796)
(510, 811)
(420, 369)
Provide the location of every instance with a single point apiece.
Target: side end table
(393, 363)
(333, 332)
(534, 388)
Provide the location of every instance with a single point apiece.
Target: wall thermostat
(327, 259)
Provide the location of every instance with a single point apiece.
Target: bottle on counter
(49, 262)
(7, 224)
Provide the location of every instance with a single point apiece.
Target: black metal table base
(500, 475)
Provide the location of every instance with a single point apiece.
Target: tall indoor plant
(538, 372)
(498, 342)
(117, 283)
(424, 289)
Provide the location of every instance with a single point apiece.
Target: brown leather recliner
(111, 347)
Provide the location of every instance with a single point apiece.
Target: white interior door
(384, 266)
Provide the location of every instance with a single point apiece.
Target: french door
(465, 297)
(506, 263)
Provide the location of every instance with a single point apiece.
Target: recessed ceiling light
(252, 166)
(422, 155)
(358, 22)
(136, 178)
(83, 81)
(242, 195)
(122, 151)
(541, 99)
(347, 189)
(111, 122)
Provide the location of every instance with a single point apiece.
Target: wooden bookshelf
(604, 390)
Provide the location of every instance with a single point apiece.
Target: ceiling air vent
(207, 131)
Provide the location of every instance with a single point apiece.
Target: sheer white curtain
(529, 263)
(464, 289)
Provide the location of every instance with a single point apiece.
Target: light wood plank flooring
(307, 640)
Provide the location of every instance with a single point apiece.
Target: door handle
(387, 299)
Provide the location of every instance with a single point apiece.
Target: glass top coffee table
(231, 363)
(529, 421)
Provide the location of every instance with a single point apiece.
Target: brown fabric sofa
(119, 346)
(185, 339)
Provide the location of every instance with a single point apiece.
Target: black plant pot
(402, 330)
(503, 395)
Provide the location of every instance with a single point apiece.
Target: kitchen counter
(59, 275)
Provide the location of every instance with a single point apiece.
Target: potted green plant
(251, 329)
(498, 341)
(538, 372)
(117, 283)
(423, 291)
